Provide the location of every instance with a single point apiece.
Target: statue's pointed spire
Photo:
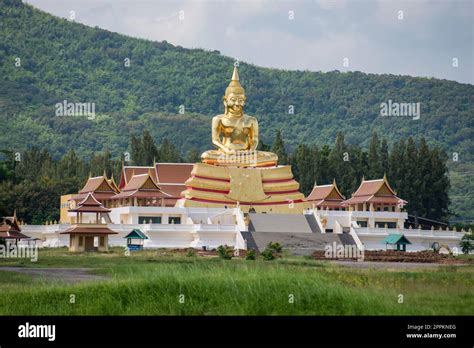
(235, 74)
(234, 85)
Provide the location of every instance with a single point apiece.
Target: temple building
(89, 234)
(102, 188)
(140, 190)
(10, 230)
(170, 177)
(326, 197)
(374, 195)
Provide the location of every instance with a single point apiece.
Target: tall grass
(150, 283)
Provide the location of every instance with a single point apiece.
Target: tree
(375, 170)
(279, 148)
(168, 153)
(149, 150)
(137, 150)
(193, 156)
(384, 161)
(302, 165)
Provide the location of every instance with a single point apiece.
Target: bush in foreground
(272, 251)
(251, 255)
(225, 252)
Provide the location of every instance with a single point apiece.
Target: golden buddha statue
(236, 174)
(235, 134)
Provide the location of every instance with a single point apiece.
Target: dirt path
(68, 275)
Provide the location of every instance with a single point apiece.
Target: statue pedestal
(266, 189)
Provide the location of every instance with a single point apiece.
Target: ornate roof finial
(90, 174)
(363, 177)
(105, 174)
(334, 181)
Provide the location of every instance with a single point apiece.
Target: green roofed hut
(396, 239)
(135, 240)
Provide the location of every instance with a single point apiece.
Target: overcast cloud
(318, 38)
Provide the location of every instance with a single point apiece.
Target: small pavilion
(135, 240)
(397, 242)
(89, 234)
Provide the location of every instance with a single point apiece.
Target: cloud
(321, 34)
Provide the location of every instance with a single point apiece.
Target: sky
(428, 38)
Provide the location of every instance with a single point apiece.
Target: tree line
(33, 181)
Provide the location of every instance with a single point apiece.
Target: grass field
(158, 282)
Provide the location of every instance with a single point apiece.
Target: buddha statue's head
(234, 98)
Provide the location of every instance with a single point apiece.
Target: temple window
(174, 220)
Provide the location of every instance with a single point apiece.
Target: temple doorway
(89, 244)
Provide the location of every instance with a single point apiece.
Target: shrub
(251, 255)
(268, 254)
(275, 247)
(225, 252)
(190, 252)
(272, 251)
(467, 243)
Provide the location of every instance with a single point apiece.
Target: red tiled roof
(319, 192)
(173, 173)
(322, 196)
(371, 191)
(90, 205)
(130, 171)
(84, 229)
(141, 194)
(5, 233)
(135, 188)
(174, 190)
(98, 195)
(374, 199)
(10, 227)
(112, 183)
(93, 184)
(371, 187)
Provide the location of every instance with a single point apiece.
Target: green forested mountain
(45, 60)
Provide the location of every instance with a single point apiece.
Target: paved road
(69, 275)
